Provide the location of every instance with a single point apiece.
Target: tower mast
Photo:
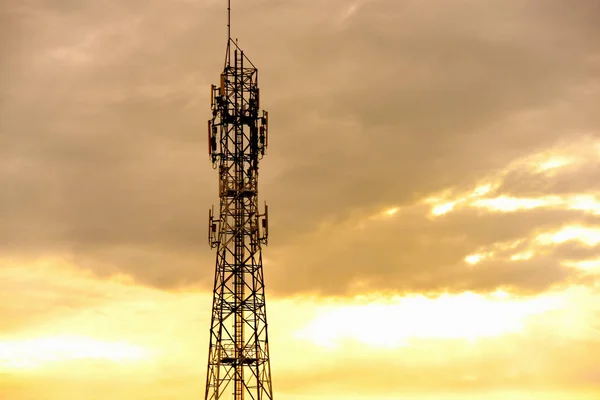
(228, 21)
(238, 359)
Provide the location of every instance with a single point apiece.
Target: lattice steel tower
(238, 359)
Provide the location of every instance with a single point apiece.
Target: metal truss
(238, 360)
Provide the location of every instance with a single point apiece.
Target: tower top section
(229, 40)
(232, 44)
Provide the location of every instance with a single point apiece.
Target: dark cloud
(411, 252)
(102, 150)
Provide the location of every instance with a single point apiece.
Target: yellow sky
(80, 333)
(432, 180)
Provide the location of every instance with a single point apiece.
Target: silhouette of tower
(238, 359)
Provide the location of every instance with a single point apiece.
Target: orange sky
(432, 179)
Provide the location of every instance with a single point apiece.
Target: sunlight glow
(585, 203)
(588, 203)
(384, 214)
(585, 265)
(511, 204)
(587, 235)
(554, 163)
(477, 258)
(482, 190)
(498, 247)
(34, 353)
(392, 211)
(394, 323)
(473, 258)
(526, 255)
(547, 162)
(442, 205)
(443, 209)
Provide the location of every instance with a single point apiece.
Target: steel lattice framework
(238, 360)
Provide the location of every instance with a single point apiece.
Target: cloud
(474, 373)
(549, 341)
(102, 147)
(478, 237)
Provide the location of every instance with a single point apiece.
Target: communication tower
(238, 358)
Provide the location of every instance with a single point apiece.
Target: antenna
(228, 20)
(228, 51)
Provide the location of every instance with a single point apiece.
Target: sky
(432, 181)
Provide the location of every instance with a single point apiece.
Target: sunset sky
(433, 181)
